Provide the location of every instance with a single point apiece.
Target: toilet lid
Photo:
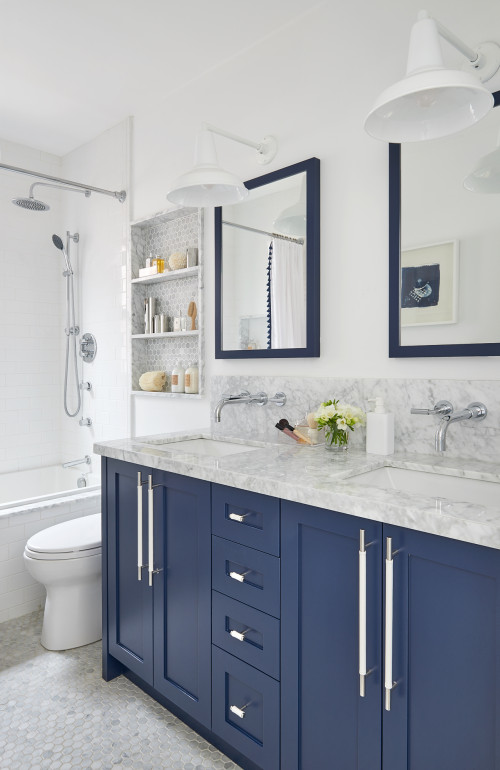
(81, 534)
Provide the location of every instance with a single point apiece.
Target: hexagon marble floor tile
(56, 713)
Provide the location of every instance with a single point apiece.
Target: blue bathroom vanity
(254, 629)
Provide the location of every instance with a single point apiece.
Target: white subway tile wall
(31, 289)
(101, 260)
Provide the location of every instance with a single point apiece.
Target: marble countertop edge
(309, 475)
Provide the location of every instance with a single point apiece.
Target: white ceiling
(73, 68)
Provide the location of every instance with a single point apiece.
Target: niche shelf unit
(163, 234)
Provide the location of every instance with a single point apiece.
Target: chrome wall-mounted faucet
(475, 411)
(246, 398)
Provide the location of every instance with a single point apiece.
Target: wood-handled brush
(192, 313)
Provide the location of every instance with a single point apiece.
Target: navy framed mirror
(267, 267)
(444, 233)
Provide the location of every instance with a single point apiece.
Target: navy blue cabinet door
(182, 593)
(129, 600)
(325, 722)
(446, 664)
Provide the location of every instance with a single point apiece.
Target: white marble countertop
(317, 477)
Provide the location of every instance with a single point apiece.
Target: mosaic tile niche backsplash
(413, 433)
(161, 236)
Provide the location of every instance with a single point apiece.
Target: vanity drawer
(245, 709)
(255, 638)
(247, 518)
(247, 575)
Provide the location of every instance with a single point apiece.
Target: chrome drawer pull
(238, 516)
(140, 565)
(151, 570)
(389, 684)
(240, 712)
(239, 576)
(239, 635)
(362, 614)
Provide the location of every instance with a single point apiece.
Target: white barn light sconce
(433, 101)
(207, 183)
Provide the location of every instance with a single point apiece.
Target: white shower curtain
(288, 295)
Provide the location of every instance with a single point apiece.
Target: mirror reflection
(268, 267)
(450, 233)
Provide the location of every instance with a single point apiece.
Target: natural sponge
(177, 260)
(152, 381)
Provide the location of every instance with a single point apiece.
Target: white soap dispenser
(379, 429)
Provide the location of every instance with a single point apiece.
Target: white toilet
(66, 558)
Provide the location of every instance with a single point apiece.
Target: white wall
(311, 85)
(101, 262)
(31, 325)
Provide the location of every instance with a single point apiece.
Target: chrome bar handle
(389, 683)
(239, 635)
(140, 565)
(240, 712)
(238, 517)
(362, 614)
(150, 529)
(239, 576)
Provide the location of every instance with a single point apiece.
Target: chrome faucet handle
(478, 410)
(279, 399)
(441, 409)
(259, 398)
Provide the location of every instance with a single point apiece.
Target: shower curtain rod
(118, 195)
(265, 232)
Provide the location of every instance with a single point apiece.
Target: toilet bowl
(66, 559)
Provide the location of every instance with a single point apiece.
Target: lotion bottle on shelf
(178, 378)
(191, 379)
(379, 429)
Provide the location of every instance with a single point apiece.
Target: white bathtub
(29, 502)
(35, 486)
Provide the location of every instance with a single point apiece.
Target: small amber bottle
(160, 264)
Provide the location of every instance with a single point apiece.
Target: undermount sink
(456, 488)
(202, 446)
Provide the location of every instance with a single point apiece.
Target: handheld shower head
(60, 245)
(31, 203)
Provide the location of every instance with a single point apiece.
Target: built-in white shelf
(166, 233)
(168, 275)
(159, 335)
(163, 394)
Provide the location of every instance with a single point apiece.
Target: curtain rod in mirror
(265, 232)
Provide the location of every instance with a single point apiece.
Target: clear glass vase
(337, 448)
(336, 442)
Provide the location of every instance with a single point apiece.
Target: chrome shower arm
(120, 196)
(86, 191)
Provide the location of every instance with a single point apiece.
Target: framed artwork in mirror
(444, 194)
(267, 267)
(429, 284)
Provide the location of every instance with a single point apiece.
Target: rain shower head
(31, 203)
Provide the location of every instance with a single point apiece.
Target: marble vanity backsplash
(413, 433)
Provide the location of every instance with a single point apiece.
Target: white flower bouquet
(337, 419)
